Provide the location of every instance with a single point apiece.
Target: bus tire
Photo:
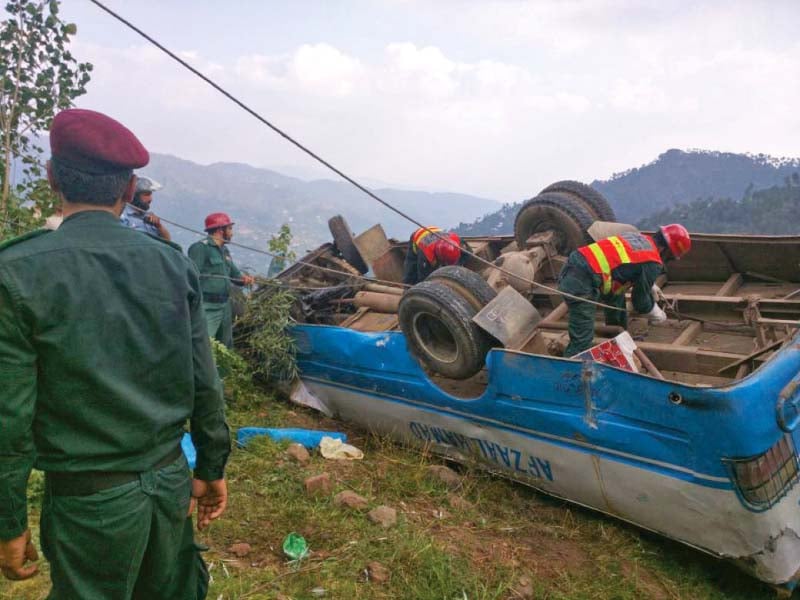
(343, 240)
(594, 200)
(566, 217)
(437, 323)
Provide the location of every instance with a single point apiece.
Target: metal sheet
(509, 317)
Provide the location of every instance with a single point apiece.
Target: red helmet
(448, 252)
(677, 239)
(217, 220)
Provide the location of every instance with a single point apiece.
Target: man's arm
(410, 271)
(17, 453)
(642, 294)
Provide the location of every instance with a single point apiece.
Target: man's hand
(248, 279)
(153, 220)
(656, 315)
(15, 553)
(211, 498)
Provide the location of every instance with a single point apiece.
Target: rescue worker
(428, 252)
(137, 213)
(103, 362)
(217, 272)
(605, 270)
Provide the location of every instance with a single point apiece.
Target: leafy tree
(39, 78)
(280, 246)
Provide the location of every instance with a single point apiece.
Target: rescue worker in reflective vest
(137, 213)
(104, 359)
(605, 270)
(217, 272)
(428, 252)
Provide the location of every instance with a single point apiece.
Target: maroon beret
(95, 143)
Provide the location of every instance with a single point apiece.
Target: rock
(444, 474)
(350, 500)
(459, 502)
(524, 588)
(377, 572)
(383, 516)
(298, 453)
(318, 485)
(240, 549)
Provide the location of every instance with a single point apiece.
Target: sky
(490, 98)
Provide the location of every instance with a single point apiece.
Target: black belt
(215, 298)
(86, 483)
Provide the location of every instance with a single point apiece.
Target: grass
(489, 539)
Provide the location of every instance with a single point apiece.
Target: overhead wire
(331, 167)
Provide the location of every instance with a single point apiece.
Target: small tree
(280, 246)
(39, 77)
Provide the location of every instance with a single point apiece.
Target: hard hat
(145, 185)
(217, 220)
(677, 238)
(448, 252)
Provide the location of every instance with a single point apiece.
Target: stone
(377, 572)
(298, 453)
(458, 502)
(524, 588)
(240, 549)
(318, 485)
(351, 500)
(384, 516)
(444, 474)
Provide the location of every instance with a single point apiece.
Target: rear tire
(439, 332)
(566, 217)
(594, 200)
(468, 283)
(343, 240)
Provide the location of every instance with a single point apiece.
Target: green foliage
(237, 377)
(280, 246)
(771, 211)
(40, 77)
(263, 333)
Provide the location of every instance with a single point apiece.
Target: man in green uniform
(217, 272)
(605, 270)
(104, 358)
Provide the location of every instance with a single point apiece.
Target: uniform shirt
(134, 218)
(641, 276)
(417, 268)
(216, 267)
(104, 356)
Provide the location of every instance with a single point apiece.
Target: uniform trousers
(578, 281)
(130, 542)
(219, 318)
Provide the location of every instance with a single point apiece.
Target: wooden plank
(689, 359)
(693, 330)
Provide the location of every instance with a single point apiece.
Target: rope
(273, 255)
(322, 161)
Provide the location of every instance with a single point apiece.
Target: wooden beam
(688, 359)
(729, 287)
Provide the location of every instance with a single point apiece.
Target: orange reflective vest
(626, 248)
(422, 239)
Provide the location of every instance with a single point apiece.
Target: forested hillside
(674, 178)
(775, 210)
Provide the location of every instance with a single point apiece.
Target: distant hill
(772, 211)
(260, 200)
(675, 177)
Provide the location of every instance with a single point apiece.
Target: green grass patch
(488, 539)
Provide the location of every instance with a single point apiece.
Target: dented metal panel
(652, 452)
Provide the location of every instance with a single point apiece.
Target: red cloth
(95, 143)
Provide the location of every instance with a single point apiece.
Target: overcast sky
(482, 97)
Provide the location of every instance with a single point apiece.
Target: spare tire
(468, 283)
(439, 332)
(566, 217)
(343, 240)
(596, 202)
